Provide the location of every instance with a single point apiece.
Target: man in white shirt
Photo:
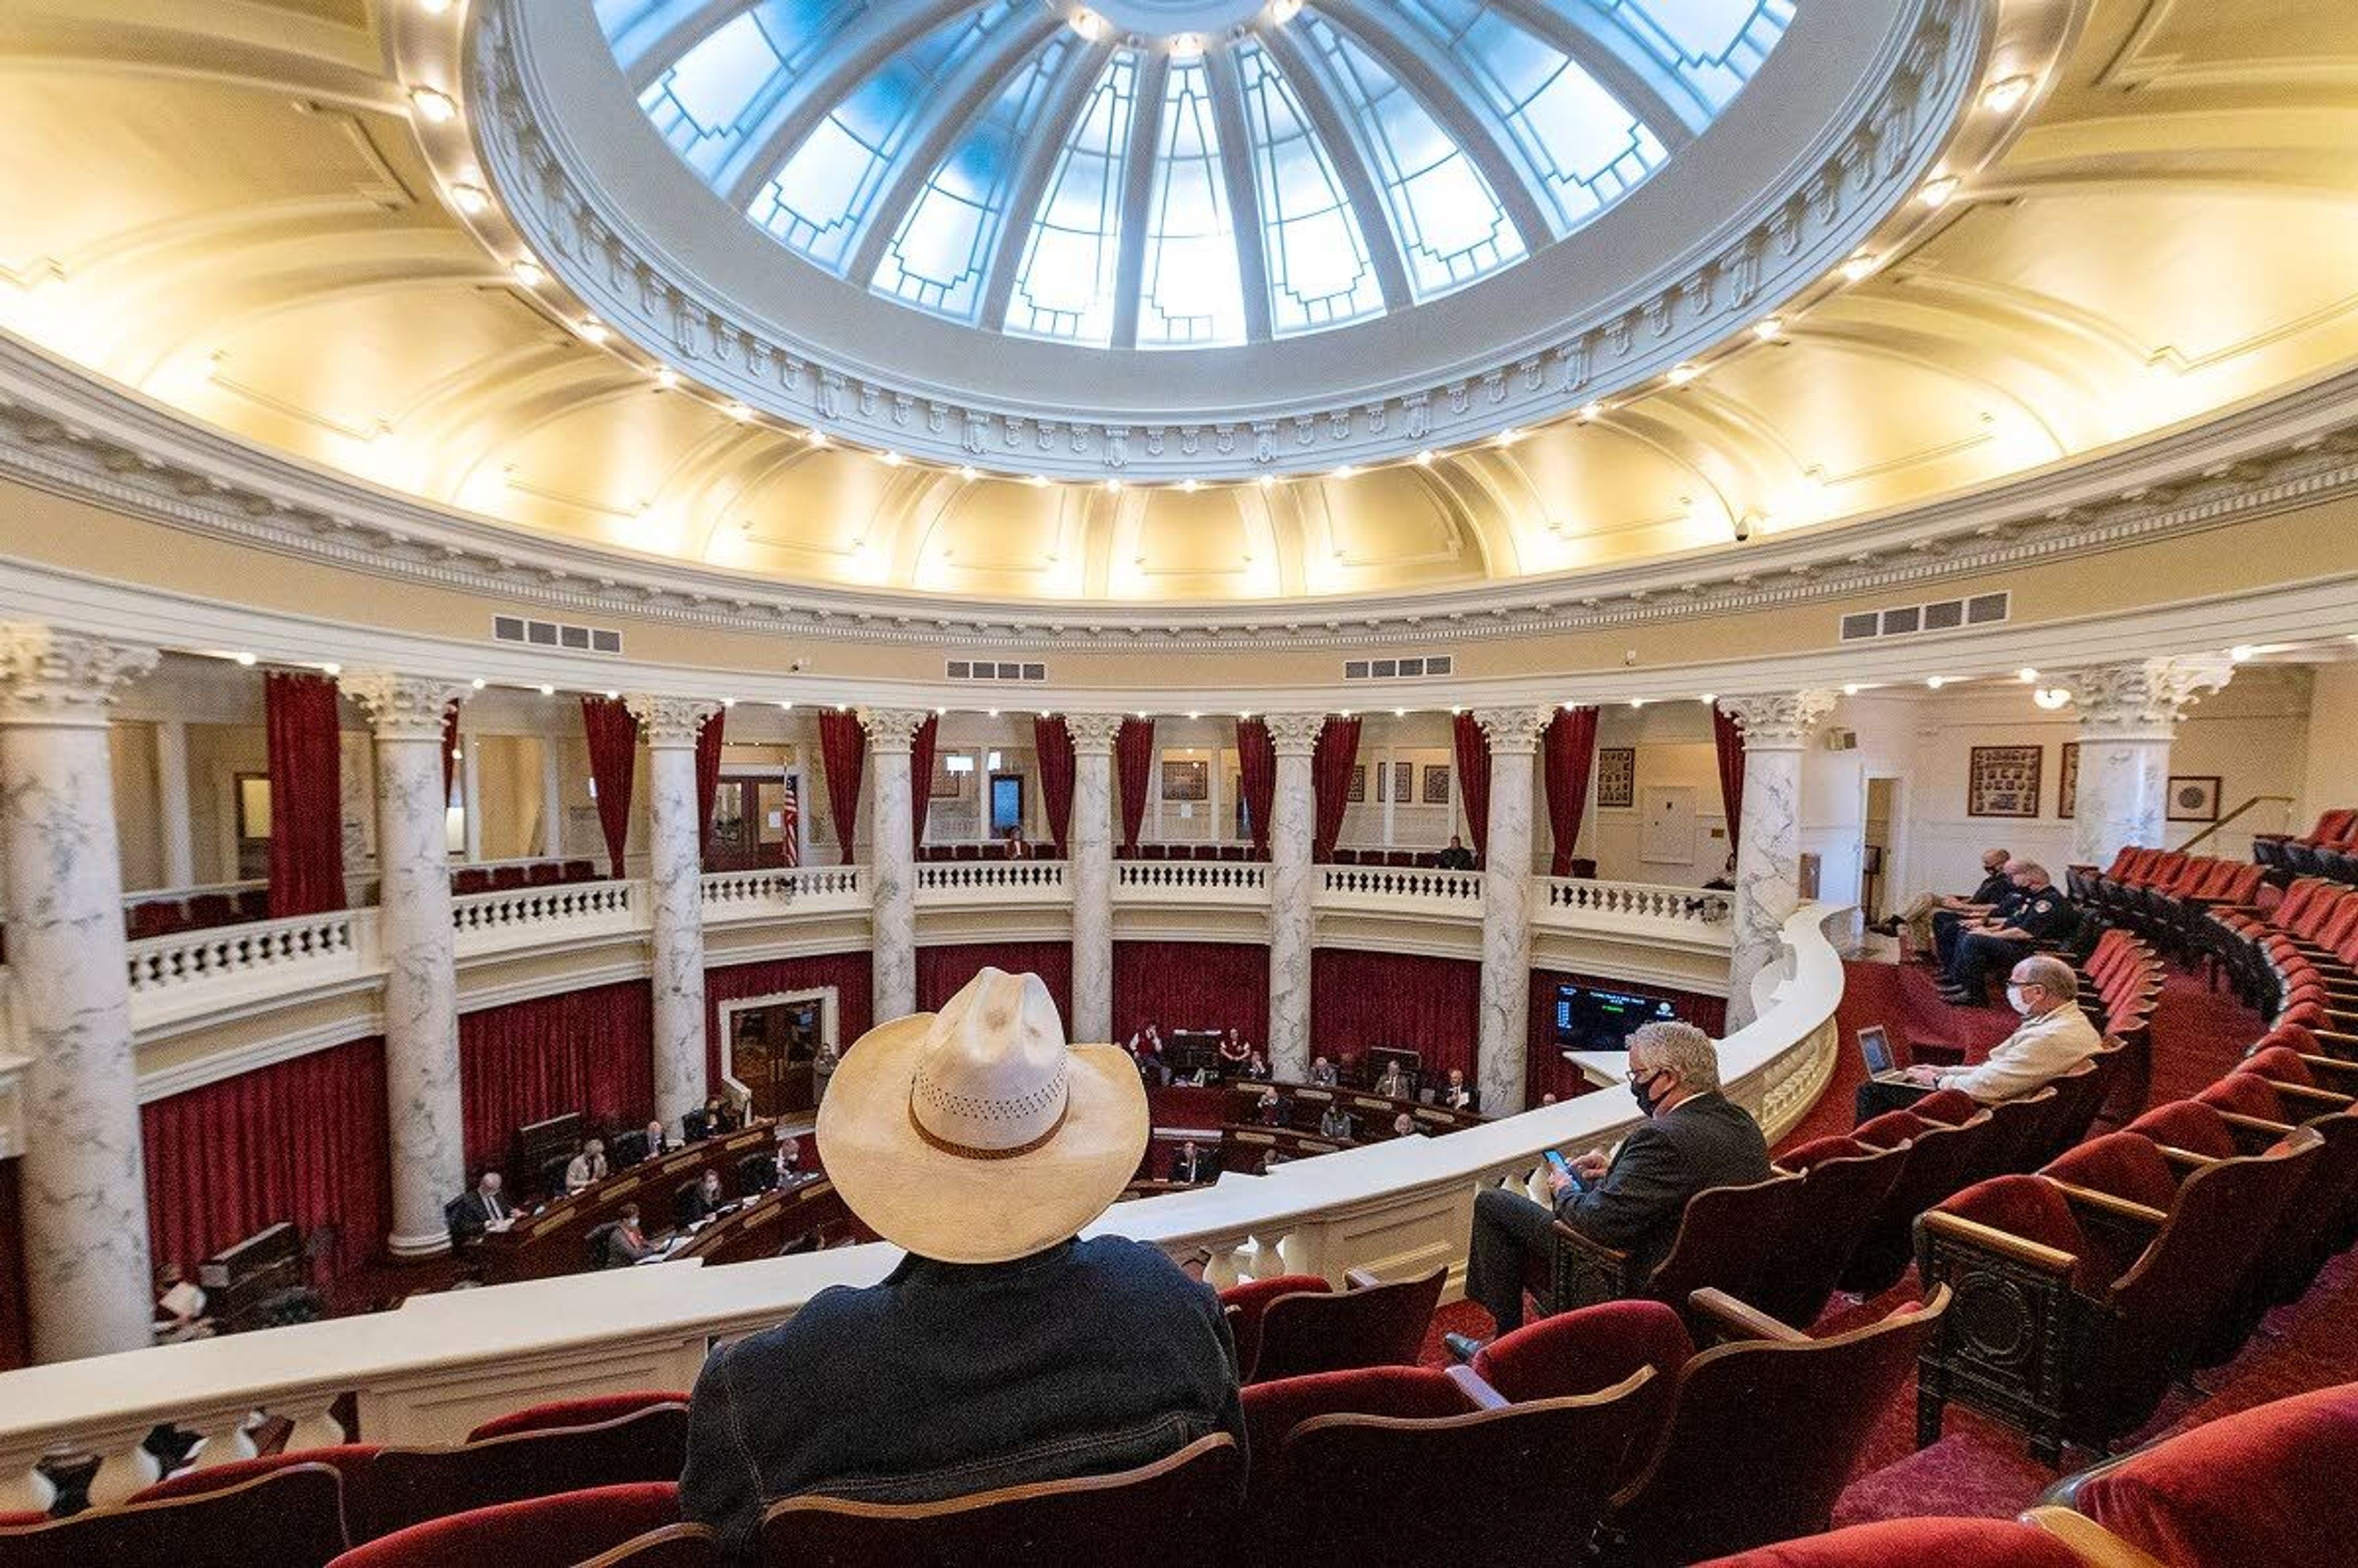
(2054, 1037)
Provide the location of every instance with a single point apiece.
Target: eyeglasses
(1637, 1074)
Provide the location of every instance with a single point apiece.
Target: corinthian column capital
(405, 708)
(1295, 734)
(2141, 699)
(48, 677)
(1093, 733)
(892, 729)
(1778, 721)
(669, 722)
(1511, 730)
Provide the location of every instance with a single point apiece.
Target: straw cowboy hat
(975, 1134)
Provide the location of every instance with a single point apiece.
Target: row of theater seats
(505, 878)
(197, 912)
(2328, 849)
(2164, 894)
(2297, 960)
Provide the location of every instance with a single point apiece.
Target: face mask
(2014, 999)
(1639, 1090)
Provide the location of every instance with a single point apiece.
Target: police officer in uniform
(1995, 903)
(2041, 913)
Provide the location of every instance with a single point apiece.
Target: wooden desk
(763, 1229)
(553, 1240)
(238, 1280)
(1371, 1114)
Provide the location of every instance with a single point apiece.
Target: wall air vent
(1940, 615)
(552, 634)
(995, 670)
(1412, 668)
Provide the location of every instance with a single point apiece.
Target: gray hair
(2033, 869)
(2049, 974)
(1684, 1049)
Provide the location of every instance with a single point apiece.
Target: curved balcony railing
(431, 1371)
(1191, 882)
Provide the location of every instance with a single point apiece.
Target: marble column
(470, 798)
(1091, 836)
(2127, 716)
(1294, 735)
(414, 933)
(552, 798)
(675, 885)
(173, 821)
(85, 1183)
(1777, 728)
(892, 861)
(1503, 1044)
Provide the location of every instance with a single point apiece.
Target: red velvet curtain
(1545, 1071)
(1257, 767)
(451, 751)
(1360, 999)
(843, 752)
(302, 1140)
(1567, 758)
(1473, 780)
(1133, 761)
(1728, 737)
(710, 737)
(1191, 985)
(849, 973)
(613, 735)
(306, 797)
(942, 970)
(588, 1051)
(16, 1323)
(921, 774)
(1053, 744)
(1330, 780)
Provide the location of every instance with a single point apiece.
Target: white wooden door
(1667, 816)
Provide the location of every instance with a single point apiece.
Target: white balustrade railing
(293, 949)
(560, 911)
(755, 895)
(992, 881)
(431, 1371)
(1401, 885)
(1192, 882)
(1582, 901)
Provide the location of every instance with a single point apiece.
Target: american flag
(790, 821)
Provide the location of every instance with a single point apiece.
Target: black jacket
(1635, 1207)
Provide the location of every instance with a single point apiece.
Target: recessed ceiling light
(1113, 487)
(890, 460)
(1189, 487)
(613, 696)
(2051, 696)
(1637, 702)
(593, 331)
(1400, 713)
(1936, 682)
(1591, 412)
(1850, 689)
(968, 472)
(1936, 191)
(2006, 92)
(2026, 675)
(1509, 435)
(1345, 471)
(1268, 479)
(527, 272)
(248, 660)
(666, 377)
(1860, 267)
(547, 690)
(1424, 459)
(737, 411)
(2241, 651)
(331, 669)
(433, 106)
(1193, 713)
(1187, 45)
(1038, 482)
(786, 706)
(478, 683)
(1089, 25)
(1767, 328)
(1683, 373)
(1283, 11)
(816, 437)
(991, 712)
(472, 200)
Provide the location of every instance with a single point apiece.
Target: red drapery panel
(843, 751)
(302, 1140)
(16, 1324)
(451, 751)
(1191, 985)
(942, 970)
(849, 973)
(1257, 767)
(1330, 781)
(1473, 749)
(1053, 744)
(306, 797)
(1429, 1005)
(1545, 1072)
(1133, 762)
(589, 1051)
(921, 774)
(1568, 756)
(710, 737)
(613, 735)
(1728, 736)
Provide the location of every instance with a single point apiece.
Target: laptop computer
(1875, 1051)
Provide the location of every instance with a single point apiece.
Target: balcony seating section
(592, 1411)
(2296, 960)
(289, 1516)
(557, 1530)
(1371, 1323)
(2328, 849)
(1844, 1185)
(1272, 1410)
(1724, 1241)
(2165, 895)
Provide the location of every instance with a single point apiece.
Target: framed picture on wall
(1616, 776)
(1186, 780)
(2195, 797)
(945, 785)
(2067, 782)
(2003, 781)
(1436, 784)
(1403, 782)
(1358, 789)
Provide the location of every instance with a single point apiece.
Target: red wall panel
(589, 1051)
(942, 970)
(849, 973)
(1191, 985)
(1360, 1000)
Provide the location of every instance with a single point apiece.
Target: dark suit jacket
(1207, 1166)
(473, 1216)
(1709, 1141)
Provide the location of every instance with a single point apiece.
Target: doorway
(1876, 858)
(1006, 803)
(773, 1050)
(751, 825)
(1667, 825)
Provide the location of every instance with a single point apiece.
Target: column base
(431, 1244)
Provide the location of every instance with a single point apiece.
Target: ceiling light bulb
(1193, 713)
(1400, 713)
(968, 472)
(433, 106)
(890, 460)
(2006, 92)
(1113, 487)
(666, 377)
(2026, 675)
(472, 200)
(1707, 699)
(2051, 696)
(785, 706)
(737, 411)
(1283, 11)
(1038, 482)
(816, 437)
(246, 659)
(1683, 373)
(527, 272)
(478, 683)
(1767, 328)
(547, 690)
(1936, 191)
(434, 8)
(613, 696)
(1850, 689)
(1268, 479)
(1345, 471)
(1089, 25)
(1187, 45)
(593, 331)
(1424, 459)
(1509, 435)
(1591, 412)
(1859, 267)
(1189, 487)
(331, 669)
(1937, 682)
(2241, 651)
(1637, 702)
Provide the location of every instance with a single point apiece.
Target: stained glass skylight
(1009, 166)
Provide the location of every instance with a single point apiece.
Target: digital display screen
(1589, 1018)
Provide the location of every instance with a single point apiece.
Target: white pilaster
(894, 908)
(421, 980)
(1092, 852)
(2129, 714)
(1768, 850)
(1294, 736)
(470, 798)
(85, 1185)
(676, 881)
(1503, 1044)
(172, 803)
(552, 798)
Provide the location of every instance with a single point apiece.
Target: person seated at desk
(1236, 1056)
(1403, 1125)
(1457, 857)
(2043, 914)
(701, 1202)
(1323, 1073)
(1194, 1165)
(179, 1308)
(1393, 1084)
(1256, 1068)
(1459, 1095)
(1270, 1109)
(626, 1243)
(1693, 1137)
(1146, 1050)
(717, 1119)
(658, 1144)
(2054, 1037)
(1335, 1122)
(587, 1168)
(789, 1158)
(482, 1210)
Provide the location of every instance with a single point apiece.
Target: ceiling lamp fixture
(1189, 486)
(2050, 698)
(1850, 689)
(478, 683)
(1089, 25)
(737, 411)
(1424, 459)
(816, 436)
(1283, 11)
(1936, 682)
(472, 200)
(1187, 45)
(546, 690)
(433, 106)
(2026, 675)
(2005, 94)
(890, 460)
(1268, 480)
(528, 273)
(1038, 482)
(1509, 435)
(1769, 329)
(968, 472)
(434, 8)
(1936, 191)
(1345, 471)
(247, 660)
(2242, 651)
(1113, 487)
(1590, 413)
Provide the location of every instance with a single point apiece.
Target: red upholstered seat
(1940, 1159)
(2189, 1125)
(2257, 1490)
(409, 1486)
(1888, 1131)
(1245, 1303)
(1950, 1108)
(290, 1517)
(1324, 1331)
(572, 1412)
(1272, 1409)
(1842, 1190)
(1580, 1352)
(349, 1460)
(538, 1532)
(1917, 1543)
(2126, 1164)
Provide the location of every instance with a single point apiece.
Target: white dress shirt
(2042, 1050)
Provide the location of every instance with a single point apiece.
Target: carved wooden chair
(1843, 1184)
(1726, 1237)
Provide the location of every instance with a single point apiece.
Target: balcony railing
(942, 883)
(1634, 909)
(738, 896)
(1395, 887)
(1191, 882)
(432, 1370)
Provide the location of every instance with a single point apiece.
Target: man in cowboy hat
(1002, 1350)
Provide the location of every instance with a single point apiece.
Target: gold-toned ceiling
(221, 202)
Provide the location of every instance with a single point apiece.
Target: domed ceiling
(461, 252)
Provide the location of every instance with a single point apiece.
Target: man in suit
(587, 1168)
(1192, 1164)
(1459, 1095)
(1457, 857)
(1323, 1073)
(657, 1144)
(1693, 1137)
(482, 1210)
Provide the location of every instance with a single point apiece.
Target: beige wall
(131, 748)
(2330, 778)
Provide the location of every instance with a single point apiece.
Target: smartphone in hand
(1560, 1165)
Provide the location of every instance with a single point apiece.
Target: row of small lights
(436, 107)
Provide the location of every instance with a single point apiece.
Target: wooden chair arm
(1480, 1393)
(2256, 1125)
(2342, 1038)
(1989, 1239)
(2331, 1066)
(2110, 1206)
(1565, 1236)
(2324, 1098)
(1360, 1280)
(2090, 1542)
(2186, 1160)
(1745, 1322)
